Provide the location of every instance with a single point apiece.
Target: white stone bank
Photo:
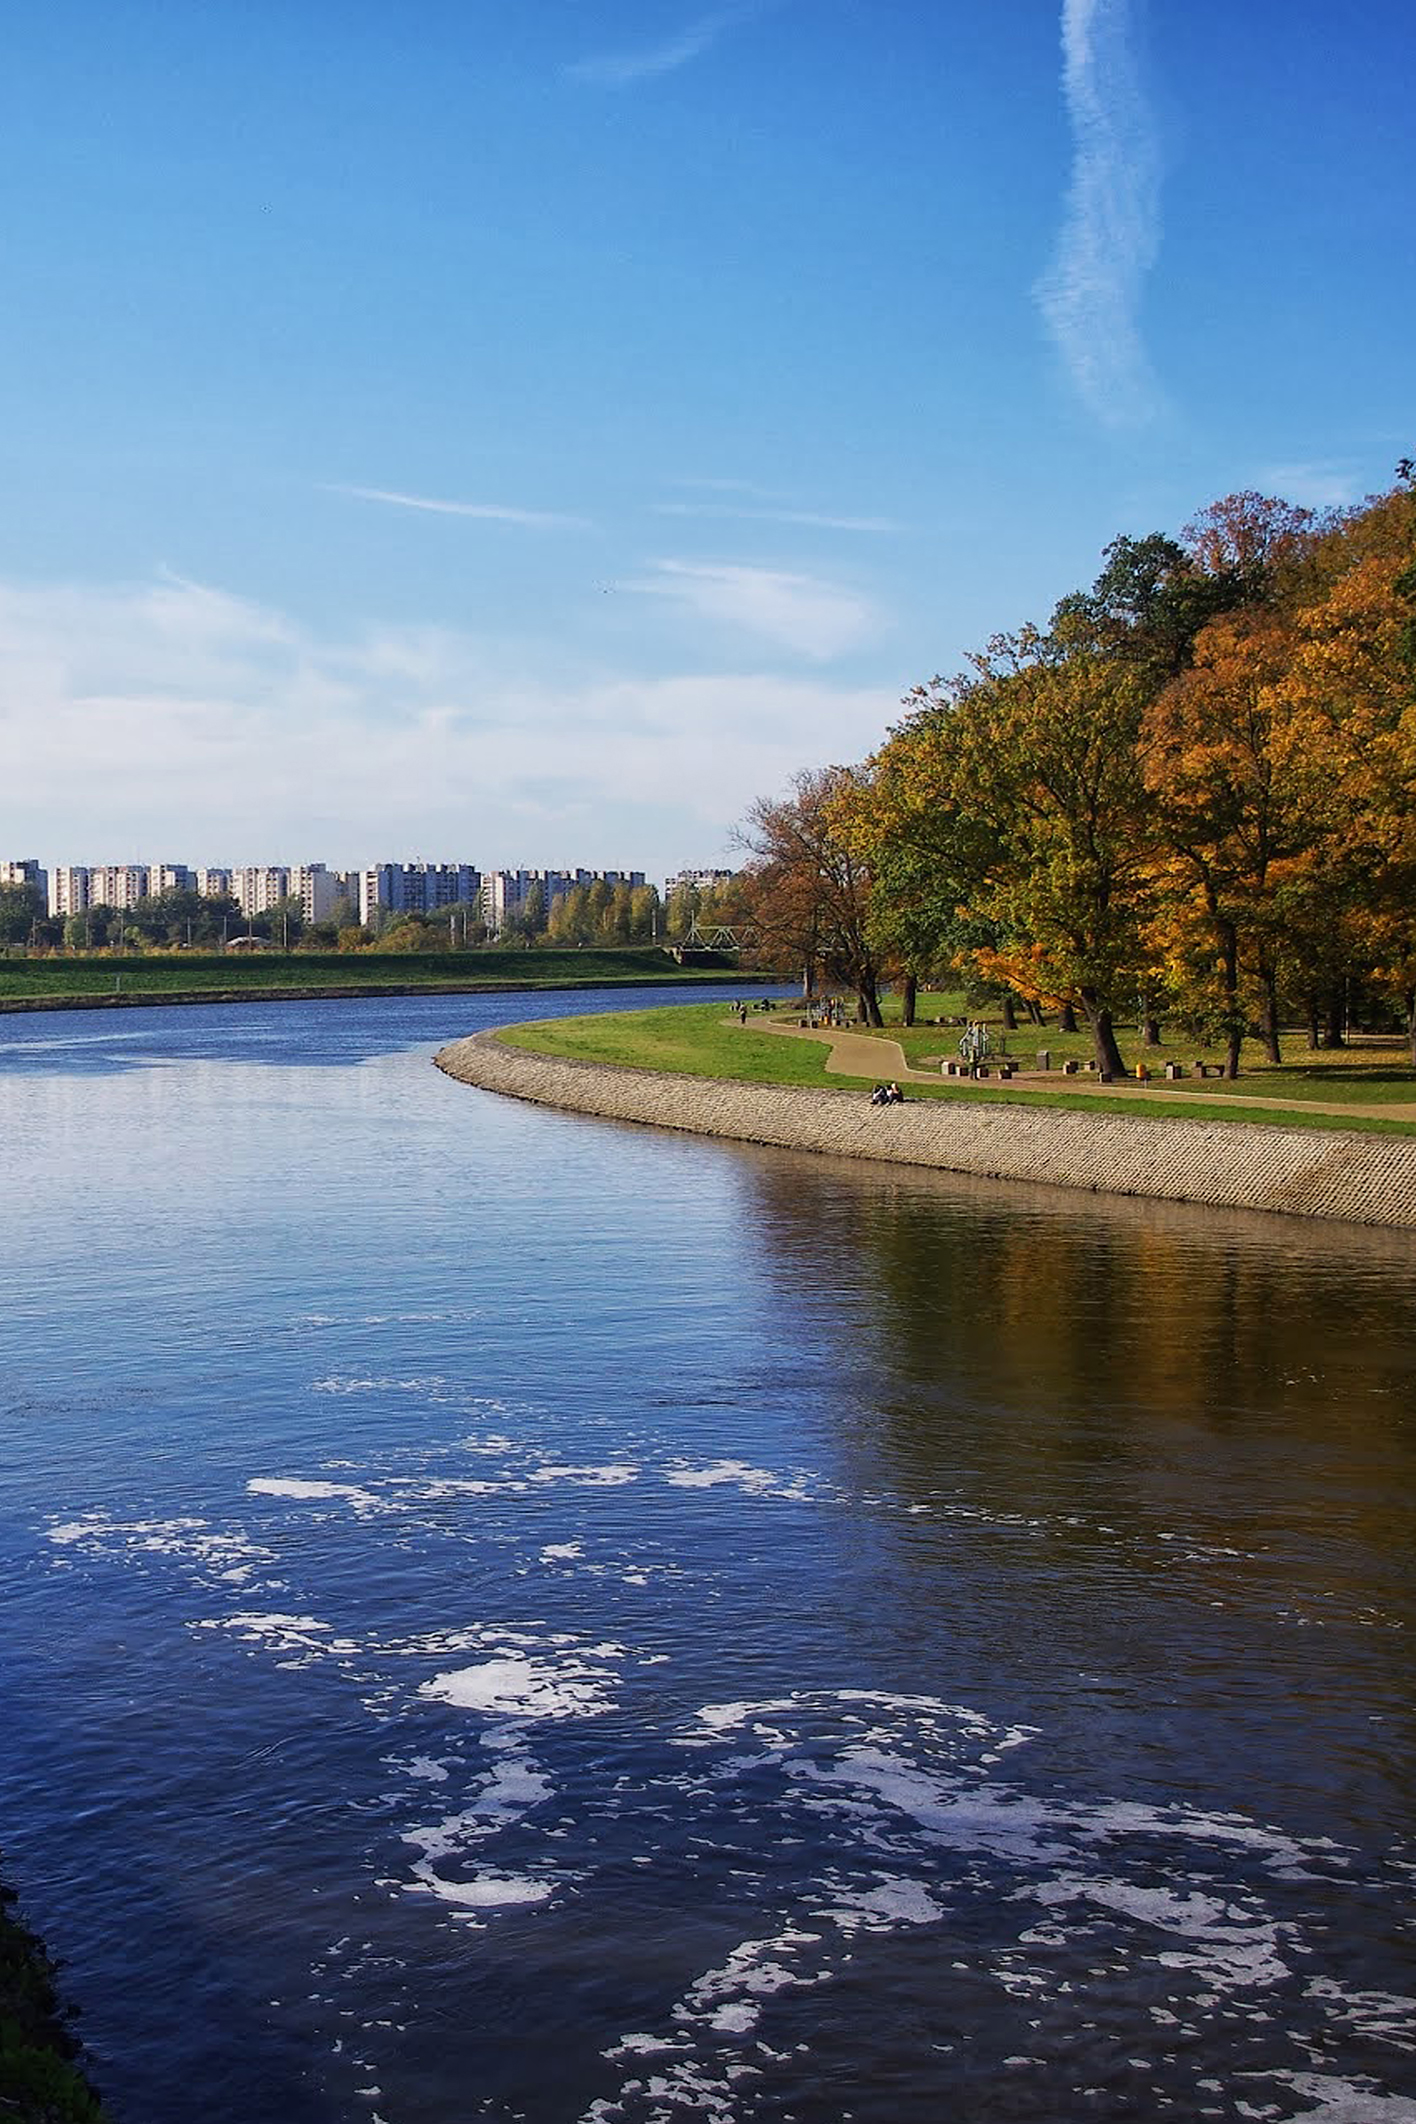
(1363, 1179)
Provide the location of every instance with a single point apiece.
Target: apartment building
(318, 890)
(25, 872)
(415, 888)
(258, 887)
(697, 880)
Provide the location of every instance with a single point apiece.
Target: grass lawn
(695, 1039)
(702, 1040)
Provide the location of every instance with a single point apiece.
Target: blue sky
(526, 435)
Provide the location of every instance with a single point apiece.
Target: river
(514, 1617)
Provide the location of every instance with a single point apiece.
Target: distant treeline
(1191, 793)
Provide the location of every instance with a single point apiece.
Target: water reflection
(1163, 1458)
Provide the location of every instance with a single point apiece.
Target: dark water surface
(512, 1617)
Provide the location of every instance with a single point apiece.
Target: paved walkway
(855, 1054)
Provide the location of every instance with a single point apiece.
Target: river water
(508, 1616)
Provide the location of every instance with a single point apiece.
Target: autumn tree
(1047, 823)
(906, 819)
(809, 894)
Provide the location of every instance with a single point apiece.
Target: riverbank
(1332, 1173)
(135, 983)
(40, 2077)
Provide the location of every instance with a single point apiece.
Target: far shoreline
(353, 992)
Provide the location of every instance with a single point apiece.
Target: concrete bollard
(1174, 1071)
(1070, 1066)
(1044, 1058)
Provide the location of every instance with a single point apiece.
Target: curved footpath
(1231, 1164)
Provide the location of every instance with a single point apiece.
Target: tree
(809, 894)
(1147, 604)
(1044, 823)
(21, 907)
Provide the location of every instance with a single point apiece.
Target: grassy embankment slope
(179, 977)
(700, 1040)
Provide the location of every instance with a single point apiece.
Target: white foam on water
(737, 1474)
(442, 1486)
(1232, 1948)
(1339, 2101)
(612, 1476)
(426, 1767)
(448, 1847)
(285, 1634)
(1379, 2015)
(562, 1551)
(232, 1558)
(888, 1904)
(434, 1388)
(306, 1491)
(488, 1891)
(641, 2046)
(525, 1689)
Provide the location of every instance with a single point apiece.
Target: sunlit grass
(704, 1040)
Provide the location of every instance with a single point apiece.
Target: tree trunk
(1315, 1030)
(868, 1000)
(1231, 1002)
(1150, 1032)
(1269, 1022)
(909, 996)
(1103, 1031)
(1411, 1024)
(1333, 1036)
(1068, 1020)
(1035, 1012)
(1010, 1015)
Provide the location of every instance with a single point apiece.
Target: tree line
(1190, 795)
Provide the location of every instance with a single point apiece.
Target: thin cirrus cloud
(646, 62)
(811, 518)
(803, 613)
(1111, 233)
(486, 512)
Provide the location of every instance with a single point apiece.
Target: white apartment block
(505, 892)
(25, 872)
(171, 877)
(415, 888)
(119, 885)
(317, 890)
(697, 880)
(68, 888)
(258, 887)
(215, 884)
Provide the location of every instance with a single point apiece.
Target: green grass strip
(694, 1040)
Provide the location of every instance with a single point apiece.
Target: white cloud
(623, 69)
(814, 519)
(1316, 486)
(1111, 234)
(489, 512)
(817, 619)
(171, 721)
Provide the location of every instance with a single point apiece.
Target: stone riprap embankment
(1364, 1179)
